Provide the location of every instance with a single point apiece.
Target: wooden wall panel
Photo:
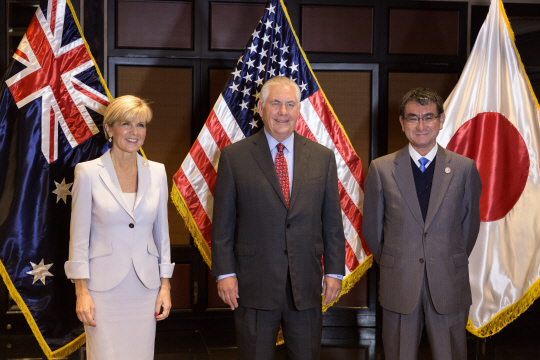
(398, 85)
(154, 24)
(357, 296)
(214, 301)
(331, 28)
(218, 78)
(423, 32)
(180, 286)
(232, 24)
(168, 136)
(349, 93)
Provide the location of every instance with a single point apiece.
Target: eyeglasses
(428, 119)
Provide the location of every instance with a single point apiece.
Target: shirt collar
(272, 143)
(416, 156)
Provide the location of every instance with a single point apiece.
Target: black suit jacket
(254, 234)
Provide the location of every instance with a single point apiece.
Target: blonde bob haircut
(279, 80)
(127, 107)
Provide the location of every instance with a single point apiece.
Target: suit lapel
(440, 183)
(263, 157)
(404, 178)
(301, 156)
(143, 172)
(108, 175)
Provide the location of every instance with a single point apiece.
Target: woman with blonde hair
(119, 252)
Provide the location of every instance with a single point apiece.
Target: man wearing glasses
(421, 220)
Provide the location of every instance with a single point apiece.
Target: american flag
(273, 49)
(52, 102)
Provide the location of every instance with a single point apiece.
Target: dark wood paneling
(19, 17)
(214, 301)
(168, 140)
(331, 28)
(232, 24)
(349, 93)
(357, 296)
(218, 79)
(398, 85)
(154, 24)
(423, 32)
(94, 20)
(180, 286)
(339, 353)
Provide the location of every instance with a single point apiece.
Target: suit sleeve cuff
(77, 270)
(220, 277)
(166, 270)
(335, 276)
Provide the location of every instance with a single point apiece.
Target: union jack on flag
(52, 101)
(273, 49)
(56, 71)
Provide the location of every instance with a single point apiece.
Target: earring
(110, 139)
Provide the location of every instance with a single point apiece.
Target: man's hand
(331, 289)
(228, 291)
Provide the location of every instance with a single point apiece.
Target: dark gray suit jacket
(405, 247)
(254, 234)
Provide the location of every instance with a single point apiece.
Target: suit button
(284, 252)
(131, 225)
(288, 226)
(421, 260)
(425, 234)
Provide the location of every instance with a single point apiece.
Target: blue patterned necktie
(423, 161)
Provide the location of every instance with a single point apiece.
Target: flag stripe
(227, 120)
(194, 206)
(209, 147)
(352, 213)
(351, 227)
(21, 54)
(336, 133)
(90, 95)
(199, 185)
(217, 131)
(319, 131)
(303, 129)
(204, 165)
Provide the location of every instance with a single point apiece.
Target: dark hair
(422, 96)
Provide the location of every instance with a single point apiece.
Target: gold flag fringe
(191, 225)
(512, 312)
(58, 354)
(350, 280)
(508, 314)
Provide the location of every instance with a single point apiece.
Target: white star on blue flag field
(271, 51)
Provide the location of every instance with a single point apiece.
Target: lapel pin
(146, 164)
(447, 170)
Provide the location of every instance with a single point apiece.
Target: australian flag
(51, 112)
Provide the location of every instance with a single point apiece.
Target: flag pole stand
(480, 348)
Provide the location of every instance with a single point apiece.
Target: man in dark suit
(421, 220)
(276, 213)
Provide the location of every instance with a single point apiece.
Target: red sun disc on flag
(502, 158)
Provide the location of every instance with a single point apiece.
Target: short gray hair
(278, 80)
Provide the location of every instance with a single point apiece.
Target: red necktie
(283, 172)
